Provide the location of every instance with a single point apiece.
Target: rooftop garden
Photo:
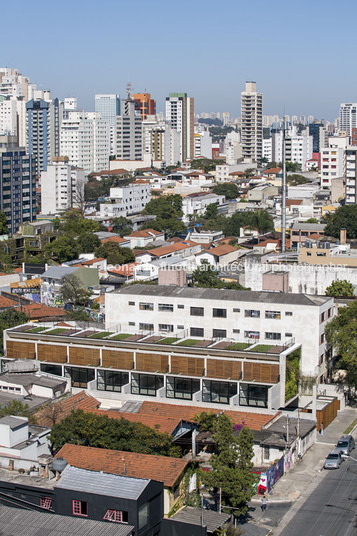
(168, 340)
(101, 335)
(262, 348)
(56, 331)
(238, 346)
(37, 329)
(188, 342)
(120, 336)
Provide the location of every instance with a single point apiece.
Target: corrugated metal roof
(30, 523)
(103, 483)
(222, 294)
(58, 272)
(211, 519)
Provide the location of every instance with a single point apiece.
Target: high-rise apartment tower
(252, 122)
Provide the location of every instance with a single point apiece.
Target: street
(332, 508)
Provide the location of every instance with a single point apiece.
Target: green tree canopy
(80, 315)
(206, 276)
(63, 248)
(341, 288)
(341, 333)
(115, 254)
(166, 207)
(232, 465)
(211, 211)
(312, 220)
(122, 226)
(3, 224)
(94, 430)
(88, 242)
(73, 292)
(228, 189)
(74, 224)
(296, 179)
(344, 218)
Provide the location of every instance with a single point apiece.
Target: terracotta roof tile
(124, 269)
(224, 249)
(160, 468)
(78, 401)
(6, 302)
(165, 250)
(93, 261)
(117, 239)
(144, 234)
(36, 311)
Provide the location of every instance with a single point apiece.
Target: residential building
(14, 84)
(85, 140)
(108, 106)
(196, 204)
(62, 186)
(203, 144)
(348, 117)
(180, 114)
(129, 132)
(252, 122)
(52, 280)
(141, 239)
(144, 104)
(126, 201)
(298, 149)
(351, 175)
(300, 232)
(318, 133)
(18, 184)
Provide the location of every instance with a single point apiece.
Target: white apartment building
(129, 132)
(180, 114)
(203, 144)
(14, 84)
(196, 204)
(268, 149)
(348, 117)
(85, 140)
(351, 175)
(62, 186)
(242, 316)
(298, 149)
(232, 148)
(8, 117)
(252, 122)
(126, 201)
(333, 161)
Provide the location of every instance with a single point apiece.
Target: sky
(301, 54)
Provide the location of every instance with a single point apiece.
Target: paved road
(331, 510)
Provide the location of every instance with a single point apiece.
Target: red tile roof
(64, 407)
(160, 468)
(272, 171)
(36, 311)
(117, 239)
(93, 261)
(166, 250)
(124, 269)
(6, 302)
(145, 234)
(290, 202)
(224, 249)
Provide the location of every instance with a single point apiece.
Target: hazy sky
(301, 54)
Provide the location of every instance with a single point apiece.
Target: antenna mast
(283, 198)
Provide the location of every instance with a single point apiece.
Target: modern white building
(126, 201)
(348, 117)
(196, 204)
(129, 132)
(252, 122)
(298, 149)
(108, 106)
(243, 316)
(203, 144)
(333, 161)
(85, 140)
(351, 175)
(180, 114)
(62, 186)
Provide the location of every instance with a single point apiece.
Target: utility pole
(283, 198)
(201, 510)
(220, 500)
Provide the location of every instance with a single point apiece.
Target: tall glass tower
(108, 106)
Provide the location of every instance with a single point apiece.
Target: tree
(232, 465)
(3, 224)
(79, 198)
(293, 166)
(73, 292)
(206, 276)
(79, 315)
(312, 220)
(115, 254)
(261, 221)
(100, 431)
(341, 333)
(296, 179)
(211, 211)
(9, 319)
(64, 248)
(122, 226)
(88, 242)
(74, 224)
(228, 189)
(344, 218)
(167, 207)
(340, 289)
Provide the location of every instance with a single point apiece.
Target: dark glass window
(182, 388)
(253, 395)
(109, 380)
(252, 313)
(166, 307)
(197, 332)
(146, 384)
(146, 306)
(197, 311)
(219, 333)
(51, 369)
(271, 336)
(80, 376)
(220, 313)
(218, 392)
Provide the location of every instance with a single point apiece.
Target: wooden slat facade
(218, 368)
(84, 356)
(190, 366)
(261, 372)
(52, 353)
(117, 359)
(21, 350)
(152, 362)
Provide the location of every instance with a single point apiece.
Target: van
(345, 444)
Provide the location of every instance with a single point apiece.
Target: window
(109, 380)
(131, 323)
(236, 310)
(180, 327)
(218, 392)
(288, 334)
(168, 307)
(288, 313)
(80, 508)
(266, 453)
(219, 313)
(52, 369)
(166, 327)
(197, 332)
(146, 384)
(273, 336)
(143, 516)
(253, 395)
(146, 327)
(117, 516)
(182, 388)
(146, 306)
(252, 334)
(219, 333)
(273, 314)
(46, 502)
(322, 318)
(322, 338)
(236, 331)
(197, 311)
(79, 376)
(180, 306)
(252, 313)
(131, 303)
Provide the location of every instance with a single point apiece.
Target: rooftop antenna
(129, 88)
(283, 196)
(124, 466)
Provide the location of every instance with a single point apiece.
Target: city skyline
(197, 52)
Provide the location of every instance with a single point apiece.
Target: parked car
(333, 460)
(345, 444)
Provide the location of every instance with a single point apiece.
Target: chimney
(343, 237)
